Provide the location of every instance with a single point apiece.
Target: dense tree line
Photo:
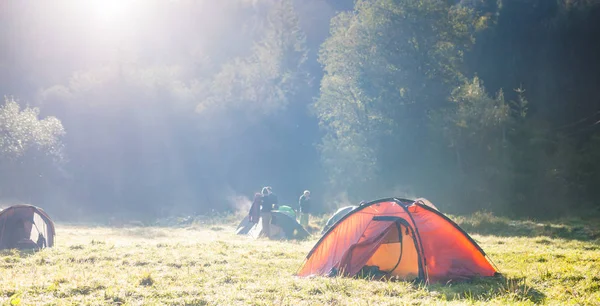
(474, 104)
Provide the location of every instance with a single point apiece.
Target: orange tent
(401, 238)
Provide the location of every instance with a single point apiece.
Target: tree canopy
(179, 106)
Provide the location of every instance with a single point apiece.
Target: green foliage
(545, 49)
(22, 132)
(387, 66)
(399, 106)
(274, 73)
(31, 150)
(475, 129)
(476, 111)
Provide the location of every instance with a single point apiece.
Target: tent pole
(493, 263)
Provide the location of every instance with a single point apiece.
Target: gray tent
(337, 216)
(25, 227)
(283, 226)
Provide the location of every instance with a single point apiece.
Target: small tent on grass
(283, 226)
(287, 210)
(339, 214)
(25, 227)
(398, 238)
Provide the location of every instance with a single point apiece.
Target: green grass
(206, 264)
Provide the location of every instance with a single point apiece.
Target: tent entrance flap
(397, 255)
(386, 247)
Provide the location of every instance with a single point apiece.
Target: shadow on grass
(15, 253)
(488, 224)
(485, 289)
(478, 289)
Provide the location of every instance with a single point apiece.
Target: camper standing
(269, 202)
(304, 204)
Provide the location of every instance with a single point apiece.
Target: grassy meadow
(554, 263)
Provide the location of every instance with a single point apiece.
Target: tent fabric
(426, 202)
(339, 214)
(283, 226)
(402, 238)
(25, 227)
(245, 226)
(287, 210)
(359, 253)
(399, 243)
(290, 227)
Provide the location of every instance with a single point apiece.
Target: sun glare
(110, 11)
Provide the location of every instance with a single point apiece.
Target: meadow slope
(206, 264)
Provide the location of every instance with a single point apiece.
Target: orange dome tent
(25, 227)
(401, 238)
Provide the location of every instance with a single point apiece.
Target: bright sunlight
(111, 12)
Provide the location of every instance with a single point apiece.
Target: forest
(168, 107)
